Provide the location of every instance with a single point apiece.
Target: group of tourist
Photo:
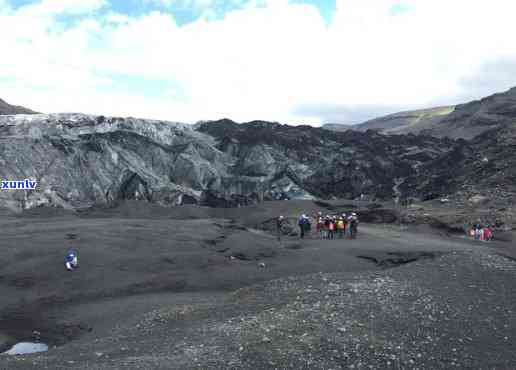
(331, 227)
(327, 227)
(482, 233)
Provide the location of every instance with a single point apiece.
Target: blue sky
(186, 11)
(340, 61)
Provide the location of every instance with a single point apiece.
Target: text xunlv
(26, 184)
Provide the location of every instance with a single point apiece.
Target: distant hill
(6, 108)
(469, 120)
(462, 121)
(411, 121)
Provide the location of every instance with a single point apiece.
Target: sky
(290, 61)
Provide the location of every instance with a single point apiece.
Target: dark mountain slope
(474, 118)
(406, 122)
(13, 109)
(461, 121)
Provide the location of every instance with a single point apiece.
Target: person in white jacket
(71, 260)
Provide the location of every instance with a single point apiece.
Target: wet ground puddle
(24, 348)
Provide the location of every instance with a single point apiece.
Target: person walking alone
(279, 226)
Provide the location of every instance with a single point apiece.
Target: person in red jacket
(488, 233)
(331, 228)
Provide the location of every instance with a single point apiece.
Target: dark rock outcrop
(83, 160)
(316, 162)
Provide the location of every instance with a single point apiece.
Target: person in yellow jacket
(340, 227)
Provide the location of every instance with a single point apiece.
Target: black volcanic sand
(194, 287)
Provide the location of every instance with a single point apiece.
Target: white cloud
(63, 7)
(269, 60)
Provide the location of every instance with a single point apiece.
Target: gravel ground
(391, 299)
(455, 311)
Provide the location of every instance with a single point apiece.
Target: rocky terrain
(81, 161)
(180, 266)
(6, 108)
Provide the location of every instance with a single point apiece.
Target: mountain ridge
(8, 109)
(465, 121)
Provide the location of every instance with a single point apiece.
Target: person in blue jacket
(304, 226)
(71, 260)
